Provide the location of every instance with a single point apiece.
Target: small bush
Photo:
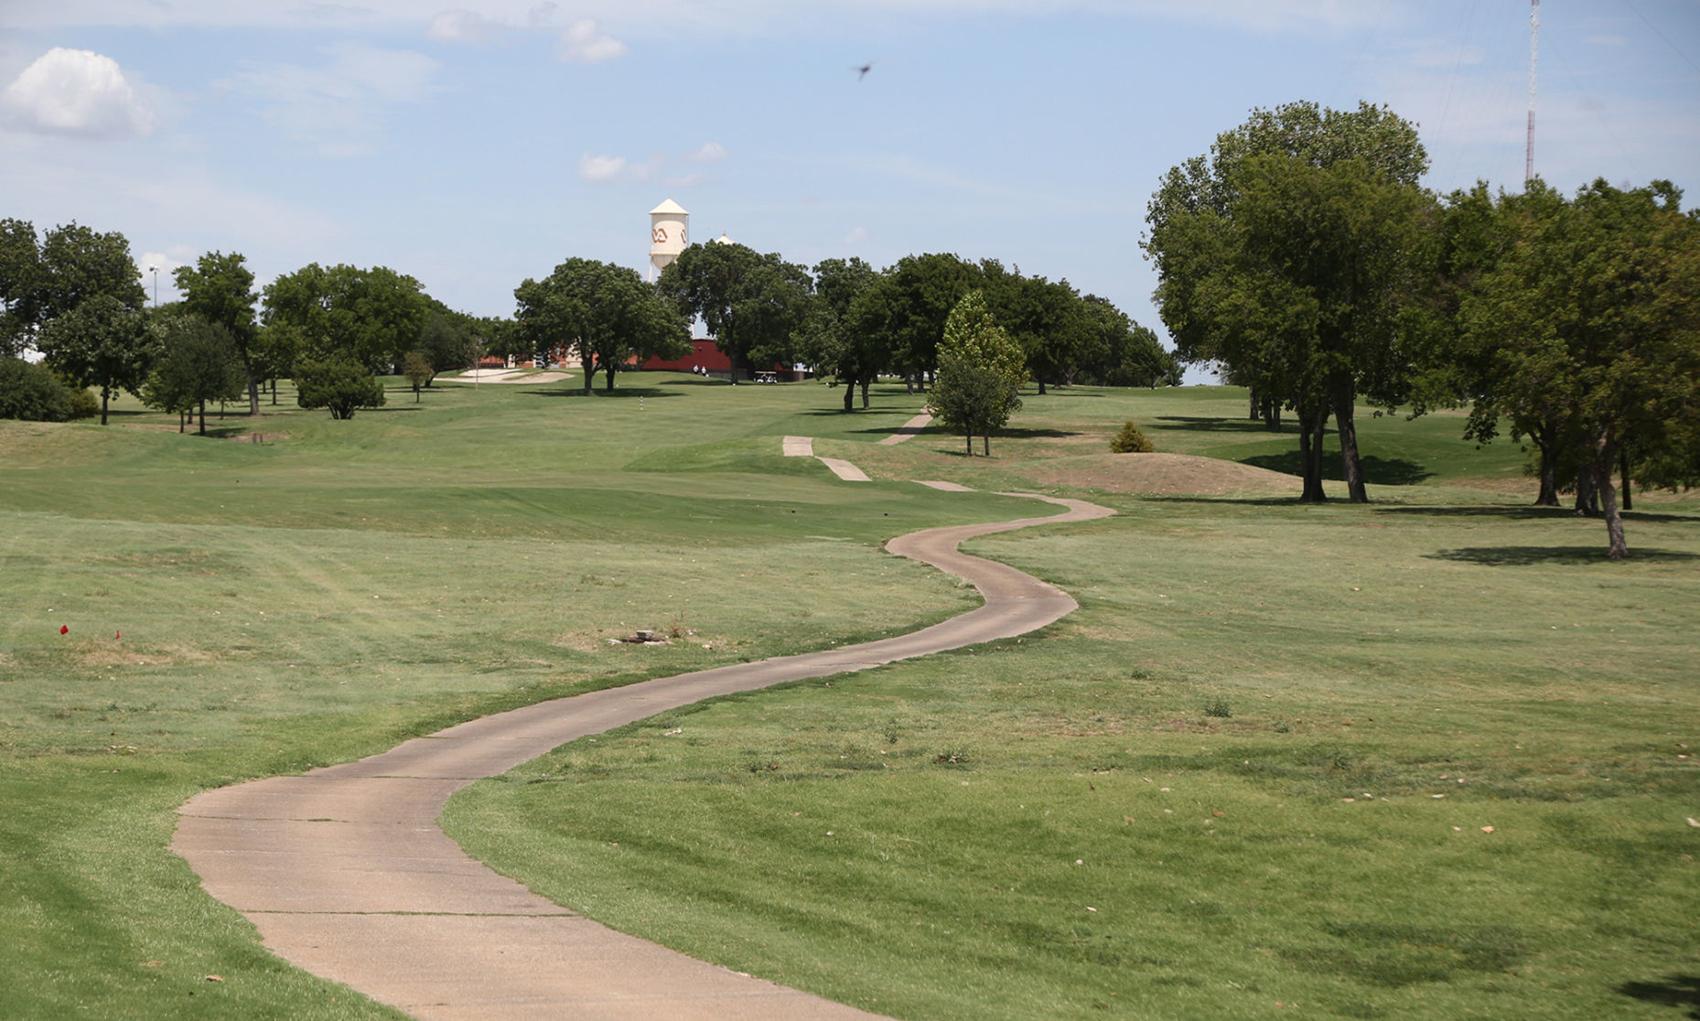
(340, 384)
(1218, 709)
(1130, 441)
(34, 393)
(955, 757)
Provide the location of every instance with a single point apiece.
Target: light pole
(155, 271)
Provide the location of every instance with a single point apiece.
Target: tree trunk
(850, 396)
(1256, 405)
(274, 393)
(1623, 470)
(416, 393)
(867, 381)
(589, 365)
(1272, 414)
(1344, 401)
(608, 378)
(969, 437)
(986, 444)
(1587, 496)
(1041, 381)
(253, 395)
(105, 392)
(1312, 423)
(203, 418)
(1605, 459)
(1548, 496)
(180, 423)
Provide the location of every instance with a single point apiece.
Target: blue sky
(474, 144)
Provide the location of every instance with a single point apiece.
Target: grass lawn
(338, 586)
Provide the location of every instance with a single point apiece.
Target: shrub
(1130, 441)
(1218, 708)
(340, 384)
(35, 393)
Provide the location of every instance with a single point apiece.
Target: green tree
(444, 341)
(1502, 379)
(980, 373)
(1600, 301)
(905, 310)
(198, 362)
(339, 383)
(417, 368)
(755, 306)
(373, 316)
(78, 264)
(100, 343)
(1047, 318)
(606, 311)
(219, 289)
(34, 393)
(20, 286)
(273, 352)
(1120, 352)
(831, 343)
(1294, 257)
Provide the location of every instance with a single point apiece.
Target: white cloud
(167, 264)
(597, 169)
(708, 152)
(461, 26)
(337, 106)
(76, 92)
(583, 42)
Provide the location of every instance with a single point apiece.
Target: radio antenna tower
(1534, 52)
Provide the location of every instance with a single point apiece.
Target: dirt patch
(257, 437)
(1165, 475)
(116, 653)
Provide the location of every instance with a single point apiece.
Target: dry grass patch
(1164, 475)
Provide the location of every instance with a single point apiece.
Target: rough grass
(1252, 774)
(324, 593)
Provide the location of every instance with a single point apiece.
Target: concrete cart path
(346, 873)
(804, 446)
(844, 469)
(908, 430)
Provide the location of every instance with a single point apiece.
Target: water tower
(668, 225)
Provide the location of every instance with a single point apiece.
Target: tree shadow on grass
(630, 391)
(1533, 513)
(1031, 434)
(1670, 991)
(1378, 471)
(1196, 423)
(1524, 556)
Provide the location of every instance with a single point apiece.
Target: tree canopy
(754, 305)
(1294, 257)
(605, 311)
(372, 316)
(101, 343)
(198, 361)
(1591, 320)
(219, 289)
(981, 369)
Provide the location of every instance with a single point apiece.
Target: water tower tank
(668, 227)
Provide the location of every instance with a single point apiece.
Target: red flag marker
(118, 636)
(64, 629)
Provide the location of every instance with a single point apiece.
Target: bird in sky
(862, 70)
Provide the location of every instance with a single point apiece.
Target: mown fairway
(905, 839)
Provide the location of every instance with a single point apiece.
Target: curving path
(345, 872)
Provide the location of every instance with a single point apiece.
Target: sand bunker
(506, 376)
(1166, 475)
